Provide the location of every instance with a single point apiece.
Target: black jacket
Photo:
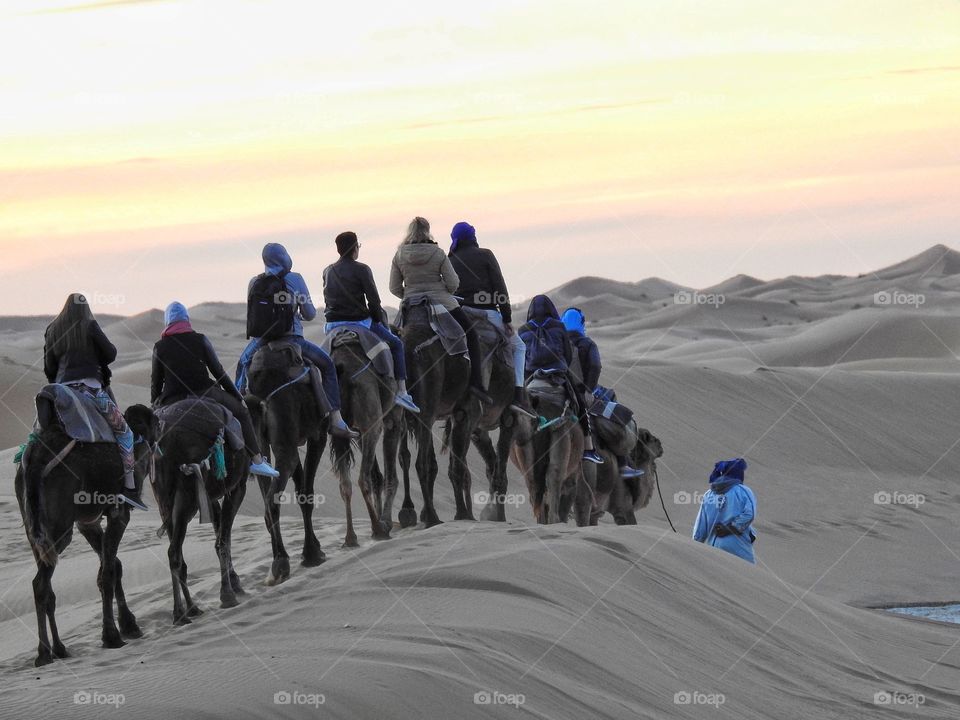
(587, 366)
(90, 362)
(183, 365)
(350, 293)
(481, 281)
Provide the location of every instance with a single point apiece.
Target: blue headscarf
(727, 473)
(175, 312)
(574, 321)
(462, 231)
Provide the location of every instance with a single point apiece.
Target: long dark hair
(70, 330)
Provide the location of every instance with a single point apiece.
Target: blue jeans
(311, 353)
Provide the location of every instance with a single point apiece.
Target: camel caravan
(452, 370)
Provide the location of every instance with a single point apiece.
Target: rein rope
(301, 376)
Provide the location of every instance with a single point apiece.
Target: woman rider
(183, 362)
(77, 353)
(421, 267)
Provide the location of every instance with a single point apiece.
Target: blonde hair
(418, 232)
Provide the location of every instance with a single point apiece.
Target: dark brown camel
(550, 458)
(82, 488)
(185, 464)
(500, 383)
(287, 416)
(367, 401)
(439, 384)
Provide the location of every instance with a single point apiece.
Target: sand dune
(831, 403)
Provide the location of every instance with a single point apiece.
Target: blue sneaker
(132, 498)
(592, 456)
(405, 400)
(264, 468)
(631, 473)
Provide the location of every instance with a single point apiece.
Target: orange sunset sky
(149, 148)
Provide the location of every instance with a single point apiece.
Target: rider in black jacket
(186, 365)
(482, 287)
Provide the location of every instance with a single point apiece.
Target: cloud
(96, 6)
(925, 70)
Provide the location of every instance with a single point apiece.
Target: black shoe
(132, 498)
(521, 406)
(481, 394)
(343, 432)
(592, 456)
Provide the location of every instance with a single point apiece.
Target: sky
(149, 148)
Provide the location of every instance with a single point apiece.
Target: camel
(286, 412)
(368, 406)
(439, 384)
(56, 489)
(183, 467)
(500, 382)
(550, 457)
(603, 490)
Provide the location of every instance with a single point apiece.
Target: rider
(549, 350)
(482, 287)
(350, 297)
(183, 362)
(78, 354)
(420, 267)
(586, 369)
(276, 261)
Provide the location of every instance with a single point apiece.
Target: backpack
(270, 308)
(545, 346)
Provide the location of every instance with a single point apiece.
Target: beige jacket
(424, 268)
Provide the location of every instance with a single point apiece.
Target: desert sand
(839, 391)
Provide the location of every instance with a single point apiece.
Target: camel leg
(229, 582)
(176, 534)
(341, 450)
(484, 445)
(504, 443)
(407, 517)
(271, 488)
(93, 533)
(459, 472)
(523, 458)
(427, 473)
(108, 565)
(556, 472)
(42, 588)
(313, 555)
(368, 447)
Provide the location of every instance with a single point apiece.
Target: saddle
(421, 310)
(283, 355)
(370, 344)
(493, 339)
(74, 411)
(204, 417)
